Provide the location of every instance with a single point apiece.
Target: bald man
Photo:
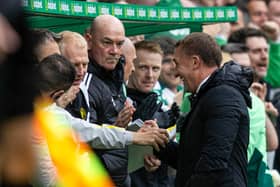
(73, 46)
(129, 53)
(105, 81)
(258, 13)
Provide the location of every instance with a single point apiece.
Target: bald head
(127, 47)
(258, 12)
(129, 52)
(105, 41)
(106, 21)
(73, 46)
(71, 39)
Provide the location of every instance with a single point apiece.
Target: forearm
(103, 137)
(271, 135)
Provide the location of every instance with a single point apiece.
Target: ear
(88, 38)
(196, 61)
(57, 94)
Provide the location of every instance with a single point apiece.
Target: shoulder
(224, 96)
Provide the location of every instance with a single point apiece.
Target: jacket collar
(117, 74)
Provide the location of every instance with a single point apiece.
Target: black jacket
(79, 107)
(106, 94)
(137, 97)
(214, 137)
(106, 99)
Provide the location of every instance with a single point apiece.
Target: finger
(151, 123)
(256, 84)
(164, 137)
(125, 113)
(155, 160)
(127, 120)
(155, 146)
(163, 131)
(148, 161)
(161, 140)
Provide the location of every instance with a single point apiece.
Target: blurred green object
(176, 34)
(172, 3)
(59, 15)
(186, 106)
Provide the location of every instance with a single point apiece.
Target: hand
(271, 29)
(148, 107)
(151, 163)
(151, 136)
(259, 89)
(147, 125)
(68, 96)
(253, 26)
(125, 115)
(173, 114)
(270, 109)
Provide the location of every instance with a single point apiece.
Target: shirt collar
(201, 83)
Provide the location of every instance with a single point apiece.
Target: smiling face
(184, 69)
(258, 53)
(168, 74)
(106, 41)
(147, 71)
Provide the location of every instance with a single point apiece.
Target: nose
(79, 69)
(149, 73)
(114, 49)
(264, 54)
(173, 65)
(132, 67)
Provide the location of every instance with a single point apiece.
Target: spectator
(258, 13)
(257, 43)
(257, 156)
(274, 11)
(169, 83)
